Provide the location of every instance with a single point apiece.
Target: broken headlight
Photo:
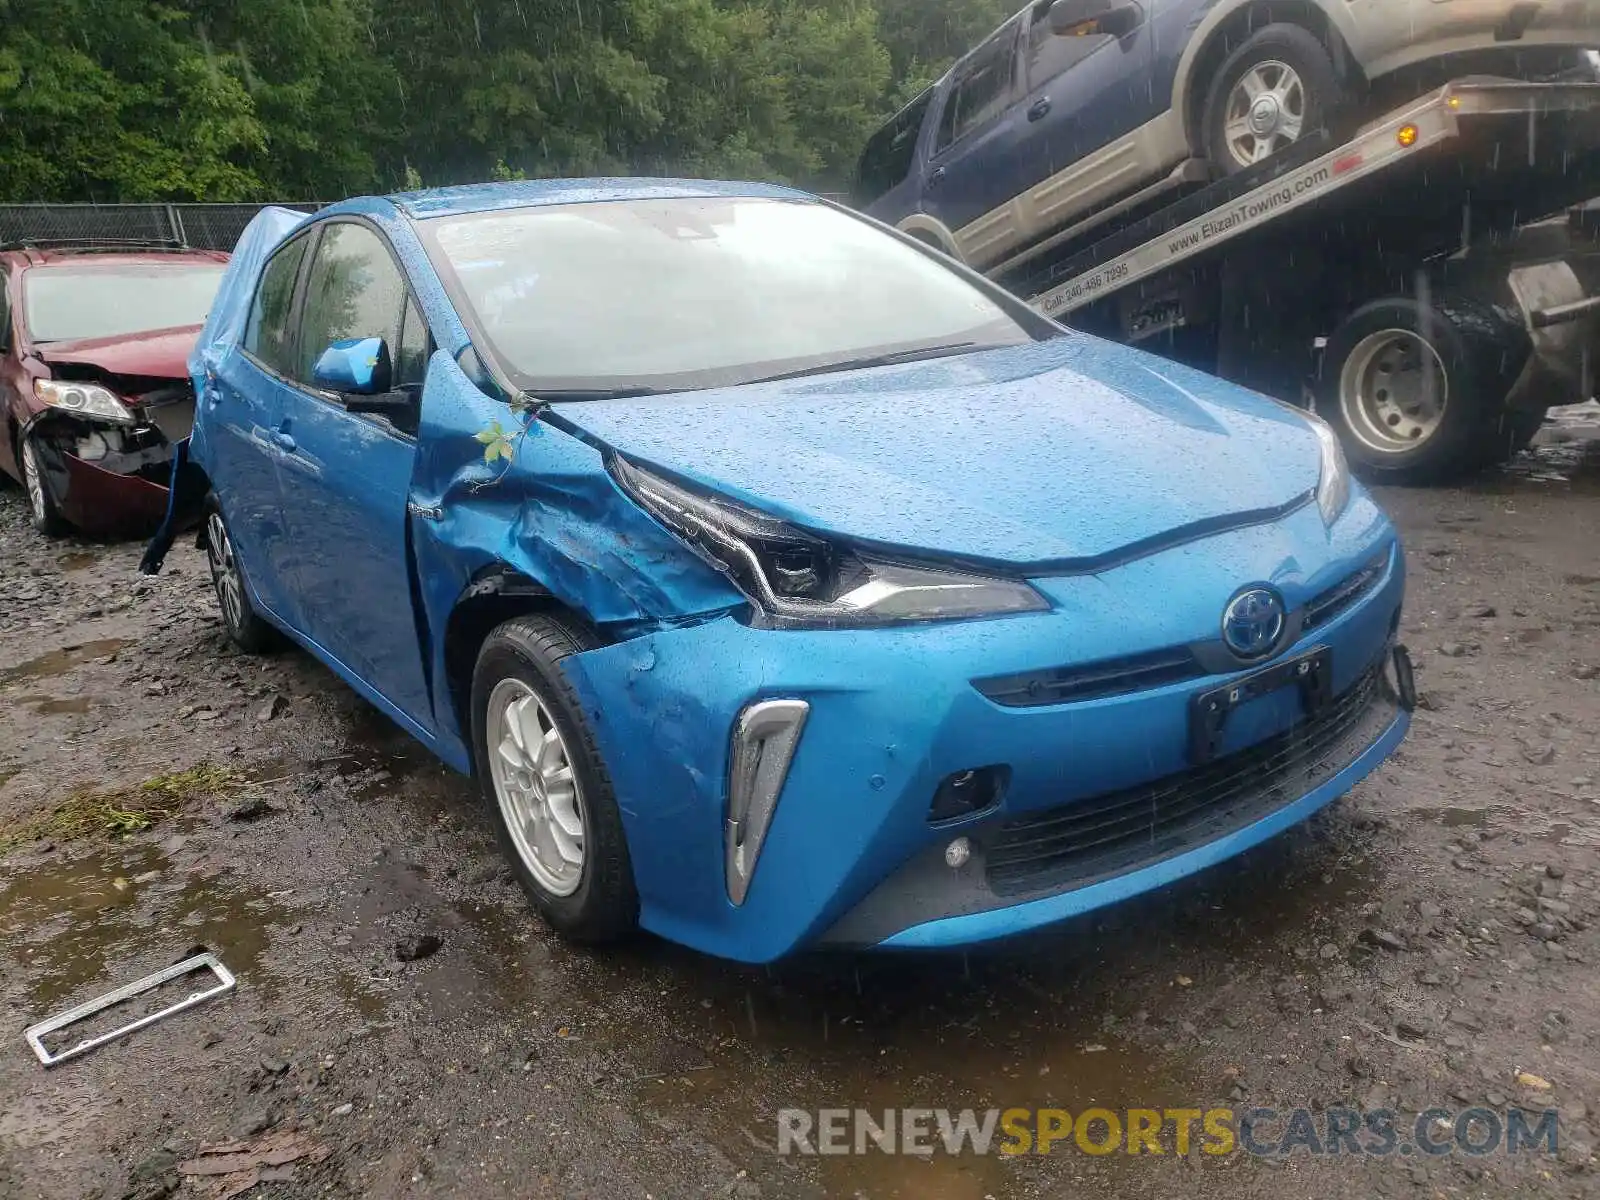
(796, 578)
(82, 399)
(1333, 484)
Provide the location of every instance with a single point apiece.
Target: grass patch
(117, 813)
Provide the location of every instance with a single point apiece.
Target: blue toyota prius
(781, 582)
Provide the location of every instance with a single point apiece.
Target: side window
(5, 309)
(981, 88)
(1049, 53)
(890, 152)
(411, 358)
(354, 290)
(267, 334)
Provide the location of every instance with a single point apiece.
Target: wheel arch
(931, 231)
(497, 593)
(1228, 25)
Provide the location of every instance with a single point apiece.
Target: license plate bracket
(1311, 672)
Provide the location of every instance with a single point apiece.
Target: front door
(1083, 93)
(346, 475)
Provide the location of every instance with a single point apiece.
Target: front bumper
(893, 712)
(116, 493)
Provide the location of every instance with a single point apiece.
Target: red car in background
(94, 383)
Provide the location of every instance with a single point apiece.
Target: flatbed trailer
(1429, 285)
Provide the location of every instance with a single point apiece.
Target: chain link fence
(196, 226)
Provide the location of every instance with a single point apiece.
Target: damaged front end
(107, 466)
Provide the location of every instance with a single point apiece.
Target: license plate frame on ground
(1311, 671)
(35, 1034)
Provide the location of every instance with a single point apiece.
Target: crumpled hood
(158, 353)
(1060, 452)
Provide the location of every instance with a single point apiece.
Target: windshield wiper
(567, 395)
(878, 360)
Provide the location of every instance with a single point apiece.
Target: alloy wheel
(539, 796)
(225, 571)
(33, 480)
(1266, 112)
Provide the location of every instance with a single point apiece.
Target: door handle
(1038, 108)
(938, 174)
(283, 441)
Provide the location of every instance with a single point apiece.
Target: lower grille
(1108, 834)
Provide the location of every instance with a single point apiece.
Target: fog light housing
(967, 792)
(957, 854)
(763, 745)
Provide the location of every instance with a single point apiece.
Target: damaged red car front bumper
(120, 490)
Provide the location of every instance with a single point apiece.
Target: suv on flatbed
(1078, 111)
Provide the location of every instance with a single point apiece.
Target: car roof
(526, 193)
(49, 256)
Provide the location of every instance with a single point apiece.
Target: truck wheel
(47, 518)
(1276, 87)
(1416, 390)
(541, 773)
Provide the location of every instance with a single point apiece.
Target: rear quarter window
(891, 151)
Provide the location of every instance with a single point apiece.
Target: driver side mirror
(1094, 18)
(354, 367)
(360, 371)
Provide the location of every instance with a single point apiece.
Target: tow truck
(1430, 285)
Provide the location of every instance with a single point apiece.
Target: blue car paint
(1051, 421)
(893, 710)
(971, 928)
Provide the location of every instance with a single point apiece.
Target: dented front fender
(552, 514)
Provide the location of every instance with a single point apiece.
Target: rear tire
(245, 628)
(1416, 391)
(541, 774)
(47, 518)
(1276, 88)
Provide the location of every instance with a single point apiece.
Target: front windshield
(711, 291)
(69, 303)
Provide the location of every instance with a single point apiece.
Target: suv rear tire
(1301, 93)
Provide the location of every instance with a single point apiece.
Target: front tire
(245, 627)
(47, 518)
(541, 773)
(1416, 390)
(1277, 87)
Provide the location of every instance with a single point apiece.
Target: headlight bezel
(853, 587)
(1334, 484)
(95, 401)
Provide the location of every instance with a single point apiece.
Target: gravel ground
(402, 1026)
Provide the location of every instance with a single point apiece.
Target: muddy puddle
(57, 705)
(59, 662)
(75, 928)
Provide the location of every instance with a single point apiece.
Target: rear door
(973, 165)
(346, 475)
(243, 401)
